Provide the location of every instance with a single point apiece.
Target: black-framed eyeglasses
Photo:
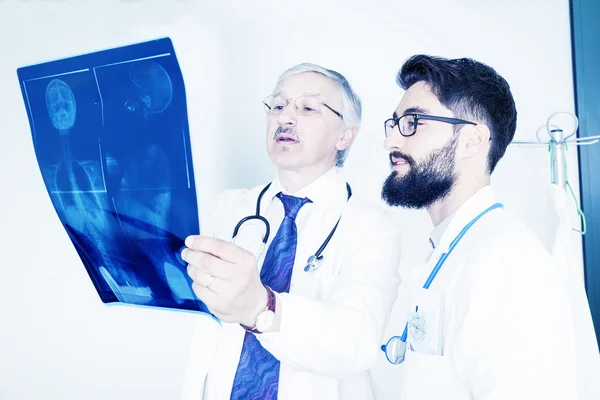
(408, 123)
(306, 105)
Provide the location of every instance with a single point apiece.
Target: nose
(394, 140)
(288, 116)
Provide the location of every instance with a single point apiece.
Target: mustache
(399, 154)
(288, 132)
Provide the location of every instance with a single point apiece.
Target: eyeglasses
(306, 105)
(408, 123)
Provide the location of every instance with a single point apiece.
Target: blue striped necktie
(257, 376)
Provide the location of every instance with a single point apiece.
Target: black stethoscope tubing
(312, 260)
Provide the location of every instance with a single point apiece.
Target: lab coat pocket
(428, 377)
(425, 322)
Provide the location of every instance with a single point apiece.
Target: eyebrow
(416, 110)
(411, 110)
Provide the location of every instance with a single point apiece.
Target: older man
(296, 326)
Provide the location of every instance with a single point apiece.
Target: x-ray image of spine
(145, 196)
(154, 89)
(81, 195)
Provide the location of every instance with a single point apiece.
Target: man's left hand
(225, 277)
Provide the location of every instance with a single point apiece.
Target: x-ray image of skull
(61, 105)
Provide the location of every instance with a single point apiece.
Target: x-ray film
(110, 133)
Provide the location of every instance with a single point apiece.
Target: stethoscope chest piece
(314, 263)
(395, 350)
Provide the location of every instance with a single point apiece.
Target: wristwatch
(266, 317)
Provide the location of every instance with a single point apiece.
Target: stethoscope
(314, 262)
(395, 349)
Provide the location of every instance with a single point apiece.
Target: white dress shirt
(333, 318)
(495, 323)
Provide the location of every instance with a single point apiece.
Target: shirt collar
(438, 231)
(452, 225)
(328, 191)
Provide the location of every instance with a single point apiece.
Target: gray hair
(351, 105)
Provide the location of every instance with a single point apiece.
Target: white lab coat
(503, 312)
(333, 319)
(588, 356)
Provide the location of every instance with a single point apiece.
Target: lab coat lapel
(228, 353)
(231, 336)
(477, 203)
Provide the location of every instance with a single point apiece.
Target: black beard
(425, 183)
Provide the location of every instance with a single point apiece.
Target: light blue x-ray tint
(110, 133)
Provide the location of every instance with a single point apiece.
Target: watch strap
(271, 303)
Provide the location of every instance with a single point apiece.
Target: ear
(346, 138)
(476, 139)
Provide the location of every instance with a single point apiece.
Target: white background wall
(57, 340)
